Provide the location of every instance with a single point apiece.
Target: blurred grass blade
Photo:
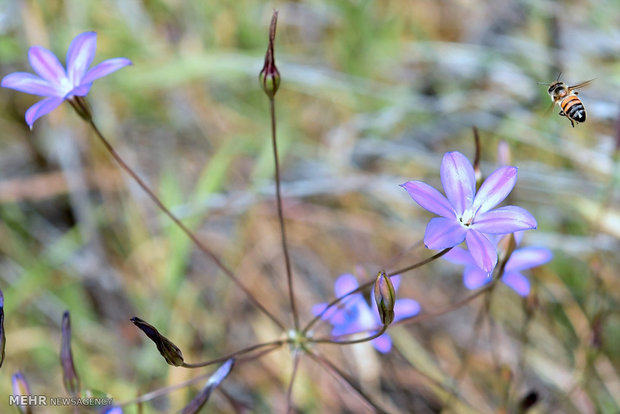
(214, 380)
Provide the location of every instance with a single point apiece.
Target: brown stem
(352, 341)
(203, 248)
(338, 374)
(289, 391)
(368, 284)
(274, 344)
(287, 260)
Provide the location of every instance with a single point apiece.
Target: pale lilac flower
(54, 82)
(355, 315)
(519, 260)
(467, 215)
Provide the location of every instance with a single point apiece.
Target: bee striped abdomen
(573, 108)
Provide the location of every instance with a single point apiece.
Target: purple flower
(355, 315)
(54, 82)
(520, 259)
(467, 216)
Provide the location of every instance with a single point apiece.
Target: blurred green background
(372, 95)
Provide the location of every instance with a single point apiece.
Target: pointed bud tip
(385, 298)
(171, 353)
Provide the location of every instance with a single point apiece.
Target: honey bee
(566, 97)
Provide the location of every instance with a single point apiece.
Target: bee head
(557, 89)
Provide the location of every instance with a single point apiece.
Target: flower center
(467, 218)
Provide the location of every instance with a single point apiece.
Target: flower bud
(21, 387)
(2, 335)
(171, 353)
(385, 298)
(269, 76)
(70, 377)
(214, 380)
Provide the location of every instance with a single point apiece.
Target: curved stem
(203, 248)
(339, 374)
(368, 284)
(287, 260)
(167, 390)
(274, 344)
(420, 264)
(352, 341)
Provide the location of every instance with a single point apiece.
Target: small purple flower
(467, 216)
(355, 315)
(54, 82)
(520, 259)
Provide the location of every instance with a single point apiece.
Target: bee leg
(571, 122)
(561, 113)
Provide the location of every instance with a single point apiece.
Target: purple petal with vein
(474, 277)
(495, 189)
(442, 233)
(528, 257)
(517, 282)
(429, 198)
(382, 344)
(41, 108)
(504, 220)
(46, 64)
(482, 250)
(80, 55)
(458, 180)
(81, 90)
(29, 83)
(105, 68)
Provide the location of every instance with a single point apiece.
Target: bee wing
(581, 85)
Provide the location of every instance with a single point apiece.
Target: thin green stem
(202, 247)
(287, 260)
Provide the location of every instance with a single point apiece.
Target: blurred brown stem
(203, 248)
(287, 260)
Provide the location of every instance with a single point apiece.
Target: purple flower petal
(46, 65)
(504, 220)
(527, 258)
(517, 282)
(442, 233)
(80, 55)
(345, 284)
(474, 277)
(81, 90)
(29, 83)
(458, 180)
(41, 108)
(383, 343)
(405, 308)
(429, 198)
(459, 256)
(495, 189)
(395, 282)
(105, 68)
(482, 250)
